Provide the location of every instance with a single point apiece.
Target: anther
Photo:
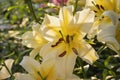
(95, 11)
(62, 54)
(75, 51)
(93, 3)
(102, 7)
(53, 45)
(102, 17)
(59, 41)
(67, 39)
(98, 6)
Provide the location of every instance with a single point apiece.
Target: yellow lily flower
(65, 35)
(33, 39)
(109, 32)
(37, 71)
(4, 72)
(100, 7)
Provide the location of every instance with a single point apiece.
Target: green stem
(101, 48)
(29, 3)
(75, 7)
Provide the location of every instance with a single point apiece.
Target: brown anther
(95, 11)
(59, 41)
(102, 17)
(62, 54)
(75, 51)
(98, 6)
(67, 39)
(53, 45)
(102, 7)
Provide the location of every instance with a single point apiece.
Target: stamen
(53, 45)
(95, 11)
(93, 3)
(98, 6)
(67, 39)
(75, 51)
(102, 7)
(62, 54)
(102, 17)
(59, 41)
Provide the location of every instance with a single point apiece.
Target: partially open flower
(33, 39)
(100, 7)
(109, 32)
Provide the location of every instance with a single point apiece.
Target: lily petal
(85, 19)
(22, 76)
(64, 65)
(3, 72)
(87, 53)
(31, 66)
(39, 71)
(50, 27)
(107, 35)
(66, 15)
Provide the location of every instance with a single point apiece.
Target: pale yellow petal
(51, 21)
(28, 40)
(3, 72)
(34, 52)
(89, 3)
(87, 53)
(85, 19)
(65, 64)
(112, 15)
(48, 51)
(107, 35)
(48, 69)
(33, 39)
(66, 15)
(22, 76)
(50, 27)
(31, 66)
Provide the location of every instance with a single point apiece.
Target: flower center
(98, 9)
(68, 40)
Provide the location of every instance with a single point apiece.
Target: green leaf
(9, 55)
(106, 62)
(104, 73)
